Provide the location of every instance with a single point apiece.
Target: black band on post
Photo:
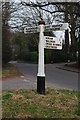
(41, 85)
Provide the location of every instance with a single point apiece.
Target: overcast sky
(59, 34)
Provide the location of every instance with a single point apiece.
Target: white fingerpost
(41, 73)
(50, 44)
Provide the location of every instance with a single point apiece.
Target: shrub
(30, 57)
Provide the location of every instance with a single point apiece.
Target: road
(55, 78)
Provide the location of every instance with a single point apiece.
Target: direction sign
(63, 0)
(47, 28)
(52, 43)
(51, 27)
(31, 29)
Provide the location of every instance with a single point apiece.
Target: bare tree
(6, 48)
(29, 13)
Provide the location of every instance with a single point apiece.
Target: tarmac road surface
(55, 78)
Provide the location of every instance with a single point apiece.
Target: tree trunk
(66, 33)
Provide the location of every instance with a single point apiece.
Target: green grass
(9, 70)
(30, 104)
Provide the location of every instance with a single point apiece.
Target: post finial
(41, 22)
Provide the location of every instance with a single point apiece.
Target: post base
(41, 85)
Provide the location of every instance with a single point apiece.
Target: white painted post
(41, 74)
(41, 52)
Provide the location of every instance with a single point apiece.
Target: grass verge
(10, 70)
(30, 104)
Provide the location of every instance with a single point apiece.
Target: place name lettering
(50, 41)
(51, 47)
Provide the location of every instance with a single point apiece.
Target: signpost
(47, 28)
(31, 29)
(52, 43)
(46, 42)
(41, 74)
(62, 1)
(58, 27)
